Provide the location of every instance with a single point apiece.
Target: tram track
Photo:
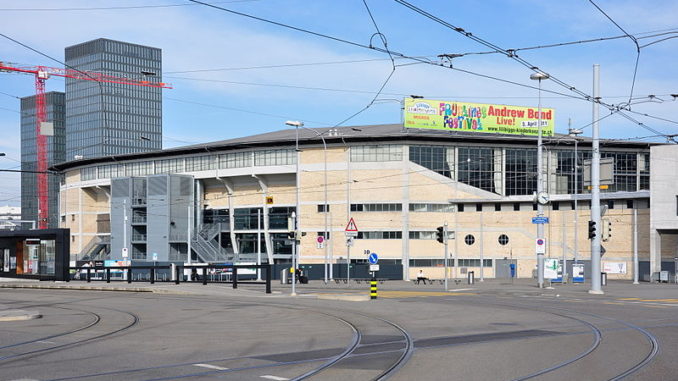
(98, 319)
(598, 337)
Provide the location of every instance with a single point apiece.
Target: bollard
(373, 288)
(108, 275)
(88, 276)
(235, 277)
(204, 276)
(129, 275)
(176, 274)
(152, 275)
(269, 269)
(603, 279)
(471, 277)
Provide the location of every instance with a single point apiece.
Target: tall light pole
(595, 186)
(573, 132)
(326, 207)
(540, 183)
(295, 216)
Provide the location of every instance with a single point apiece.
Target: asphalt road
(491, 332)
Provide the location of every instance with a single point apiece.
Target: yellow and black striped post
(373, 288)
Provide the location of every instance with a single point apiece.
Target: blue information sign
(540, 220)
(373, 258)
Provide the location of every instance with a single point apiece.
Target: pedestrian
(421, 277)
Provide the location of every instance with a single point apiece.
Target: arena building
(229, 200)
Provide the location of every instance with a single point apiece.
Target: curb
(96, 288)
(18, 315)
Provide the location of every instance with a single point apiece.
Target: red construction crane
(42, 73)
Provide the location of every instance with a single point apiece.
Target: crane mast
(41, 74)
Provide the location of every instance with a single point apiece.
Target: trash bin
(283, 276)
(471, 277)
(603, 279)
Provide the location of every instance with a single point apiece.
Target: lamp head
(294, 123)
(539, 76)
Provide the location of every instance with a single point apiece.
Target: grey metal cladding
(157, 185)
(120, 187)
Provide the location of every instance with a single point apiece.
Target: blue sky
(226, 83)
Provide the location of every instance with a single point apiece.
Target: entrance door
(503, 268)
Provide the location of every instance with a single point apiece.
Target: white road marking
(208, 366)
(45, 342)
(276, 378)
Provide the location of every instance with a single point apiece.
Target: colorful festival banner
(477, 117)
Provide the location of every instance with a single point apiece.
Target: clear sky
(235, 76)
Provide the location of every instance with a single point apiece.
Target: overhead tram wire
(512, 55)
(112, 8)
(582, 94)
(635, 41)
(390, 75)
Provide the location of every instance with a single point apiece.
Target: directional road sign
(373, 258)
(540, 220)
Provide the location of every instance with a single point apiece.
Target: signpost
(351, 232)
(541, 245)
(540, 220)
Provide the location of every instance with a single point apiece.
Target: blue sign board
(373, 258)
(540, 220)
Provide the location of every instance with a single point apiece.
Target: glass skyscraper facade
(104, 119)
(56, 150)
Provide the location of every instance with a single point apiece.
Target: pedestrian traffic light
(592, 229)
(440, 234)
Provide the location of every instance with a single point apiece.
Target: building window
(442, 208)
(422, 235)
(235, 160)
(521, 171)
(516, 206)
(610, 204)
(421, 262)
(460, 207)
(479, 207)
(476, 167)
(323, 208)
(497, 207)
(376, 207)
(555, 206)
(278, 217)
(246, 219)
(322, 234)
(380, 235)
(629, 203)
(384, 152)
(275, 157)
(469, 239)
(200, 163)
(503, 239)
(439, 159)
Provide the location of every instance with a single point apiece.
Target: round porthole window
(470, 239)
(503, 239)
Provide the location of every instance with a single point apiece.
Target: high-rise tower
(105, 119)
(55, 153)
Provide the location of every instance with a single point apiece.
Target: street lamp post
(539, 76)
(325, 206)
(573, 132)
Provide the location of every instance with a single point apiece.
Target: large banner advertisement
(477, 117)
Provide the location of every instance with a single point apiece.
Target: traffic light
(607, 229)
(592, 229)
(440, 234)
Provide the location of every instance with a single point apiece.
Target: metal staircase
(207, 247)
(97, 249)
